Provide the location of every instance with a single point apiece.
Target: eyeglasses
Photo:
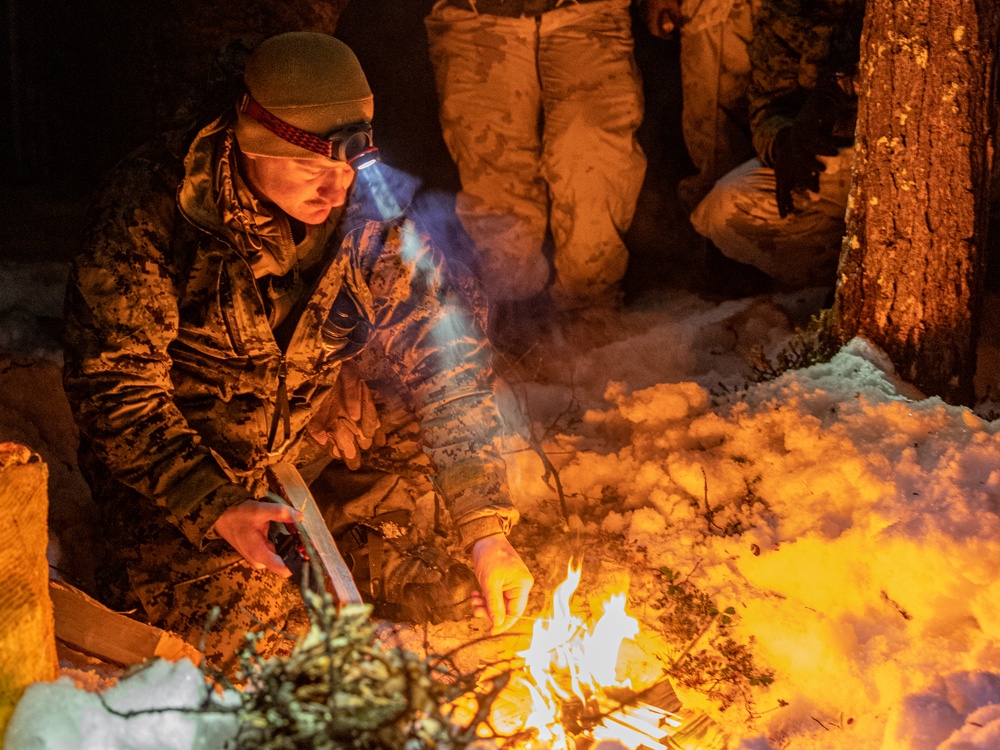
(351, 143)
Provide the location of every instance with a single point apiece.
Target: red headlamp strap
(283, 130)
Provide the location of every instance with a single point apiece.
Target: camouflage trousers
(153, 569)
(540, 114)
(740, 216)
(715, 75)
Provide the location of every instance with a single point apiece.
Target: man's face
(305, 189)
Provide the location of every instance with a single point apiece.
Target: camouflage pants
(740, 216)
(540, 116)
(177, 586)
(715, 74)
(153, 569)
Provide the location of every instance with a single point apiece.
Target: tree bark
(913, 259)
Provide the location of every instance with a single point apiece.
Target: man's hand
(347, 422)
(504, 580)
(663, 17)
(245, 527)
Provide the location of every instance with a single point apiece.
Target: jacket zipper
(217, 236)
(282, 411)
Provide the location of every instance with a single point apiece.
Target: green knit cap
(309, 80)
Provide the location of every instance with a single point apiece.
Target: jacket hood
(215, 198)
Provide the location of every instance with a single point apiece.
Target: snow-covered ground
(852, 529)
(851, 525)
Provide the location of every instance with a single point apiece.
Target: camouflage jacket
(174, 373)
(797, 46)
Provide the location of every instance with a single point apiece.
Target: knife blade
(288, 483)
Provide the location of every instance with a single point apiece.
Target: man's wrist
(472, 531)
(200, 525)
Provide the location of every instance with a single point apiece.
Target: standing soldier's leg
(715, 75)
(740, 216)
(592, 96)
(487, 83)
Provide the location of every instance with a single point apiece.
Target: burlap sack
(27, 637)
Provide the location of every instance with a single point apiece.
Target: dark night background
(86, 82)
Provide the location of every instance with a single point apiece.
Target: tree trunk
(913, 259)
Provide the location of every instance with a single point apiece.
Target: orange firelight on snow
(568, 669)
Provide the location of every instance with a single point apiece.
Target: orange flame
(568, 660)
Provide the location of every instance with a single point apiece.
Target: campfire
(573, 690)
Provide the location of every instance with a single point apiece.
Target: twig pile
(341, 688)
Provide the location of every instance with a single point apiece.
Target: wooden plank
(87, 625)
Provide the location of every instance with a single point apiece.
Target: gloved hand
(347, 421)
(663, 17)
(795, 168)
(795, 148)
(813, 126)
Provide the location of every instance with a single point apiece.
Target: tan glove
(347, 422)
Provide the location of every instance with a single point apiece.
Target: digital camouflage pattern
(797, 46)
(184, 396)
(572, 70)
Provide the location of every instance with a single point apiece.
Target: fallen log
(88, 626)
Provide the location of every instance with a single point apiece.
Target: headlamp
(353, 144)
(350, 143)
